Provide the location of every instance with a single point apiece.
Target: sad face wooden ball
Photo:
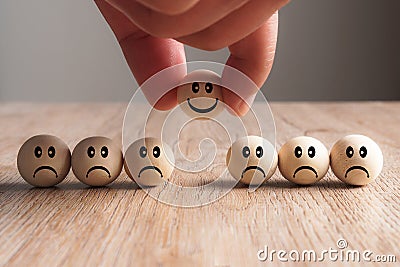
(252, 160)
(96, 161)
(44, 160)
(356, 159)
(201, 96)
(303, 160)
(148, 161)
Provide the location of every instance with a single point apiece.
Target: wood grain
(72, 224)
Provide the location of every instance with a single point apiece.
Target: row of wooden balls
(45, 160)
(354, 159)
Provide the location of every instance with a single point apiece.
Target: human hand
(155, 30)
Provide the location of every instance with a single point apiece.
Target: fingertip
(236, 105)
(253, 56)
(147, 56)
(167, 101)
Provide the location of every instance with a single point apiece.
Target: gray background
(63, 50)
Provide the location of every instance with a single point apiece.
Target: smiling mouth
(203, 110)
(98, 168)
(305, 168)
(356, 168)
(150, 167)
(253, 168)
(45, 168)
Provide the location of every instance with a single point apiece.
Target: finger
(149, 55)
(169, 7)
(199, 17)
(145, 55)
(235, 26)
(254, 56)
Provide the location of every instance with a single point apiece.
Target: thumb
(253, 56)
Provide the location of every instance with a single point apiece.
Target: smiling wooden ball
(149, 161)
(252, 160)
(44, 160)
(200, 96)
(303, 160)
(96, 161)
(356, 159)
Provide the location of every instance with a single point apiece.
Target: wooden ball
(44, 160)
(96, 161)
(200, 96)
(356, 159)
(149, 161)
(303, 160)
(252, 160)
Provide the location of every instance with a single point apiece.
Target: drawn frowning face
(303, 160)
(44, 160)
(96, 161)
(356, 159)
(252, 160)
(148, 161)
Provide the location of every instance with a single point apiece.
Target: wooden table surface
(72, 224)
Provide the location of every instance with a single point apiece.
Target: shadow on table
(20, 186)
(326, 184)
(129, 185)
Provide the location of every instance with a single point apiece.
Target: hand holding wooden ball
(44, 160)
(303, 160)
(149, 161)
(252, 160)
(97, 161)
(200, 96)
(356, 159)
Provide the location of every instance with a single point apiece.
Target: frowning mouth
(203, 110)
(253, 168)
(305, 168)
(45, 167)
(150, 167)
(356, 168)
(98, 168)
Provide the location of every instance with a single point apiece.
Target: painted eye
(156, 152)
(104, 152)
(91, 151)
(311, 151)
(143, 151)
(363, 151)
(349, 151)
(38, 151)
(209, 88)
(195, 87)
(246, 152)
(259, 152)
(51, 151)
(298, 152)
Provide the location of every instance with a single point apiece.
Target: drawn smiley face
(44, 160)
(96, 161)
(200, 97)
(303, 160)
(356, 159)
(148, 161)
(251, 160)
